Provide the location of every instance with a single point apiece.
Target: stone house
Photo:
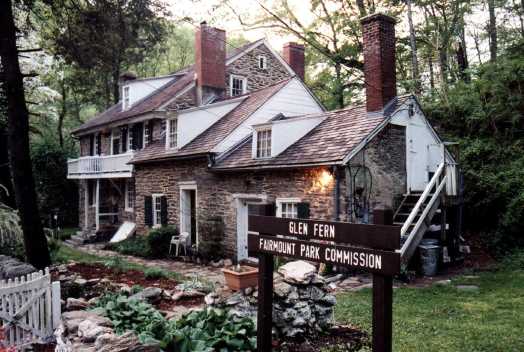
(240, 133)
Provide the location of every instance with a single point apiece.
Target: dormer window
(125, 98)
(264, 143)
(262, 62)
(172, 133)
(237, 85)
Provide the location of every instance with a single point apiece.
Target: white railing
(437, 183)
(29, 309)
(95, 165)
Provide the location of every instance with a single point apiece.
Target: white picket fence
(29, 309)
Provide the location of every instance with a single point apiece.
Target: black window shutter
(138, 135)
(123, 134)
(91, 144)
(163, 211)
(148, 210)
(99, 144)
(270, 209)
(303, 210)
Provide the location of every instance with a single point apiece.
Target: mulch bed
(128, 277)
(337, 339)
(166, 304)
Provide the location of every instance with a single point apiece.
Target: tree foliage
(104, 36)
(487, 117)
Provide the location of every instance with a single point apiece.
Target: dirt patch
(167, 304)
(337, 339)
(128, 277)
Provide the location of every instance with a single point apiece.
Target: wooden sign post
(367, 247)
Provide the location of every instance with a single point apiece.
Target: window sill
(129, 210)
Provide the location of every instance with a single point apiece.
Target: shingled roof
(329, 143)
(212, 136)
(181, 79)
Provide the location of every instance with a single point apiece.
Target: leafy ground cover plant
(210, 330)
(159, 240)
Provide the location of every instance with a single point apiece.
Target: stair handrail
(422, 199)
(423, 216)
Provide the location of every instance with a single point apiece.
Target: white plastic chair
(181, 239)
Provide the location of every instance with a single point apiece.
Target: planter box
(247, 277)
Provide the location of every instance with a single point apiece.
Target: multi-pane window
(130, 137)
(238, 85)
(264, 143)
(130, 195)
(126, 97)
(157, 210)
(288, 210)
(147, 132)
(173, 133)
(262, 62)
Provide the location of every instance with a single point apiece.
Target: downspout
(336, 193)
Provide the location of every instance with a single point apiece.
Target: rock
(467, 288)
(218, 263)
(11, 268)
(150, 294)
(442, 282)
(248, 291)
(111, 342)
(298, 271)
(282, 289)
(211, 299)
(187, 294)
(88, 331)
(76, 304)
(234, 299)
(334, 278)
(227, 263)
(80, 282)
(72, 319)
(328, 300)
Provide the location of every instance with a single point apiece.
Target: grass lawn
(442, 318)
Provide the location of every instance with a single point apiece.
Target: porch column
(97, 200)
(86, 204)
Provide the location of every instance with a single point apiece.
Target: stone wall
(257, 78)
(385, 156)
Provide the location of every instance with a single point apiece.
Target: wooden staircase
(416, 213)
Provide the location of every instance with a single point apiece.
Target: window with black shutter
(148, 210)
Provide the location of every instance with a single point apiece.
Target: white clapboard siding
(291, 100)
(29, 309)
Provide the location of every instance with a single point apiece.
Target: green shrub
(155, 273)
(137, 246)
(159, 240)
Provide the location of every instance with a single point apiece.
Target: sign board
(370, 248)
(372, 260)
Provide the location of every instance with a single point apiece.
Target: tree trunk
(62, 114)
(492, 31)
(431, 72)
(414, 60)
(5, 176)
(35, 241)
(116, 84)
(443, 61)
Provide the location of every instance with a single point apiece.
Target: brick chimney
(210, 61)
(378, 35)
(293, 54)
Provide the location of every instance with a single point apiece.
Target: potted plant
(240, 276)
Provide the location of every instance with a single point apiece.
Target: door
(188, 213)
(417, 157)
(247, 207)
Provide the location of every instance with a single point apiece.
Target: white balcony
(105, 166)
